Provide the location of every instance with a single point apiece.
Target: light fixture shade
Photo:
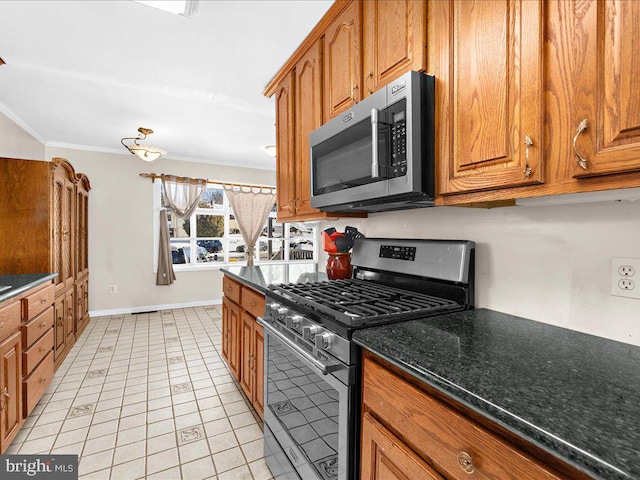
(146, 153)
(143, 152)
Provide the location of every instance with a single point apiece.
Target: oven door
(307, 411)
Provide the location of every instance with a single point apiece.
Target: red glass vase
(339, 265)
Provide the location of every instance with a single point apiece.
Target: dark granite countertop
(575, 395)
(20, 283)
(260, 277)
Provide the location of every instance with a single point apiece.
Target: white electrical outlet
(113, 288)
(625, 277)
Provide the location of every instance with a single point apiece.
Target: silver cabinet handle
(375, 165)
(580, 159)
(527, 169)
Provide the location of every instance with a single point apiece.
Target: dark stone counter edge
(25, 282)
(562, 450)
(244, 280)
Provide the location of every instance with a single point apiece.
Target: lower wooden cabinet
(252, 364)
(10, 389)
(384, 456)
(408, 433)
(64, 329)
(243, 339)
(231, 336)
(82, 305)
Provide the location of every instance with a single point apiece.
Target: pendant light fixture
(143, 152)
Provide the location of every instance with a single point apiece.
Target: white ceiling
(87, 73)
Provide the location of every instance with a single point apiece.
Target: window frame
(227, 237)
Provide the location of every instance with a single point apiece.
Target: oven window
(305, 406)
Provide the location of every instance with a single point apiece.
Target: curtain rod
(153, 177)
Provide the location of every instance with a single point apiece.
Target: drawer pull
(43, 324)
(43, 379)
(44, 300)
(1, 324)
(579, 158)
(252, 304)
(42, 349)
(466, 462)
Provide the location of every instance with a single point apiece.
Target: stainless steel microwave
(379, 155)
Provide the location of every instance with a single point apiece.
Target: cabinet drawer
(252, 302)
(34, 329)
(10, 319)
(36, 383)
(38, 302)
(453, 444)
(231, 289)
(32, 356)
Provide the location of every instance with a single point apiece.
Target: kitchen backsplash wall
(547, 263)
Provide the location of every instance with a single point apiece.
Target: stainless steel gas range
(312, 368)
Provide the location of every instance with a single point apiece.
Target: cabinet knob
(43, 379)
(1, 324)
(43, 324)
(252, 304)
(43, 300)
(42, 349)
(466, 462)
(5, 392)
(579, 158)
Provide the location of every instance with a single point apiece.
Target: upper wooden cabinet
(285, 143)
(342, 62)
(606, 111)
(394, 40)
(63, 205)
(308, 108)
(487, 58)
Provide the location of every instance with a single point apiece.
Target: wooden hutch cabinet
(45, 229)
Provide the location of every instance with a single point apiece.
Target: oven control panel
(309, 331)
(398, 252)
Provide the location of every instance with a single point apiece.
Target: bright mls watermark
(53, 467)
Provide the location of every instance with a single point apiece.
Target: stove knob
(294, 321)
(281, 314)
(270, 309)
(324, 341)
(309, 333)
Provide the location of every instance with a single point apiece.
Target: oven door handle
(375, 164)
(321, 367)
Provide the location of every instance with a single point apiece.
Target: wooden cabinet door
(59, 334)
(386, 457)
(63, 253)
(285, 154)
(70, 316)
(258, 355)
(82, 225)
(487, 59)
(606, 88)
(246, 354)
(342, 71)
(231, 336)
(308, 107)
(10, 389)
(394, 40)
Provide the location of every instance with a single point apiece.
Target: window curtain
(181, 197)
(251, 207)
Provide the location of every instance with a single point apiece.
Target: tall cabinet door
(394, 40)
(488, 59)
(10, 389)
(308, 107)
(342, 70)
(606, 116)
(285, 141)
(63, 253)
(59, 335)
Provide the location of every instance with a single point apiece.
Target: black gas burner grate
(355, 301)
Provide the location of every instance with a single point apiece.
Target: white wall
(546, 263)
(121, 230)
(17, 143)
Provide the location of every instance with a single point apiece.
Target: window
(211, 237)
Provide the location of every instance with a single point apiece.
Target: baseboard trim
(151, 308)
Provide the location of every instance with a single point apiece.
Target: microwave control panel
(398, 144)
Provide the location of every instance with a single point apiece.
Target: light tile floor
(148, 396)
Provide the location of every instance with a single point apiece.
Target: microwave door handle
(375, 164)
